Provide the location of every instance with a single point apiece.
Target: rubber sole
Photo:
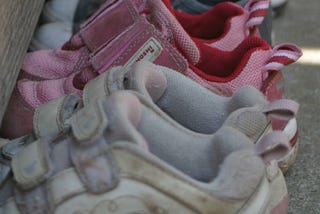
(271, 197)
(278, 203)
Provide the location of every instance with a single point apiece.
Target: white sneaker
(95, 169)
(51, 35)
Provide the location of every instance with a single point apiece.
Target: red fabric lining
(258, 13)
(223, 66)
(218, 18)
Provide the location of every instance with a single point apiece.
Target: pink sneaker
(231, 23)
(143, 30)
(248, 64)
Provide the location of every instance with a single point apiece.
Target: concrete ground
(299, 24)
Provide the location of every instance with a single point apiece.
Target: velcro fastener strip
(50, 118)
(108, 23)
(95, 89)
(142, 41)
(94, 166)
(89, 123)
(32, 165)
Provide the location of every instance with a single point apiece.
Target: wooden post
(18, 19)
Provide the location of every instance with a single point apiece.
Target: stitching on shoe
(163, 42)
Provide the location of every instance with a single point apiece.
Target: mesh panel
(180, 37)
(250, 121)
(50, 64)
(36, 93)
(236, 34)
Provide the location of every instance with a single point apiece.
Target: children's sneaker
(53, 73)
(100, 169)
(150, 32)
(253, 63)
(232, 23)
(171, 94)
(47, 119)
(200, 7)
(223, 74)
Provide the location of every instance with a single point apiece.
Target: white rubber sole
(271, 197)
(291, 130)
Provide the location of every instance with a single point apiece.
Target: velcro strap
(50, 118)
(94, 165)
(140, 42)
(89, 123)
(102, 28)
(31, 165)
(96, 88)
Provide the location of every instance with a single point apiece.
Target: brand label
(149, 51)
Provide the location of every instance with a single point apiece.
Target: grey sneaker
(178, 99)
(101, 165)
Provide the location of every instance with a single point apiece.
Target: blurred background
(299, 23)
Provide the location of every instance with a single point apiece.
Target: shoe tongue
(164, 20)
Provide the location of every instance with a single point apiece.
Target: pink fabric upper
(254, 71)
